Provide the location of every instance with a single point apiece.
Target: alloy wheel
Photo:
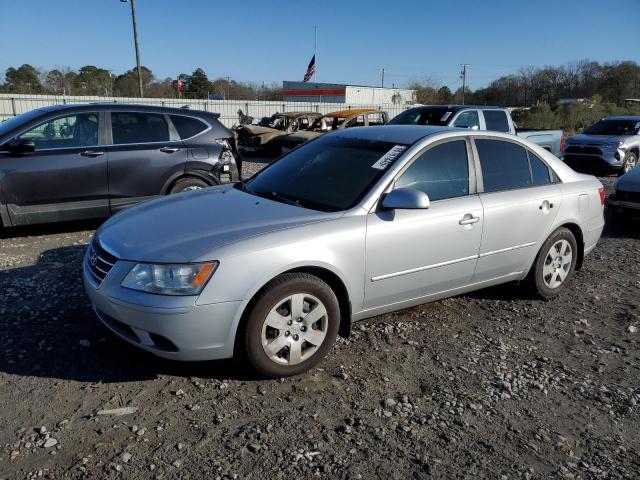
(557, 264)
(630, 164)
(190, 188)
(294, 329)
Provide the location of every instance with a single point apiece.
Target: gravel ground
(490, 385)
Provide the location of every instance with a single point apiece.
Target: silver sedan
(354, 224)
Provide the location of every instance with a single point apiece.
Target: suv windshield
(614, 127)
(329, 174)
(423, 116)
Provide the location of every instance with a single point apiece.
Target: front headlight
(619, 144)
(170, 279)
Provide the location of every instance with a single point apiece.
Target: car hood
(583, 139)
(630, 181)
(188, 226)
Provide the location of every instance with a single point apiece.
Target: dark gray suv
(72, 162)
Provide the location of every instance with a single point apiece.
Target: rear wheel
(630, 162)
(187, 184)
(292, 325)
(554, 264)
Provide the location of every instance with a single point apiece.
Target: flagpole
(315, 52)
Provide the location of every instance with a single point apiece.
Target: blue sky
(272, 40)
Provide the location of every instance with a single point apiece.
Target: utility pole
(135, 41)
(228, 79)
(463, 75)
(382, 72)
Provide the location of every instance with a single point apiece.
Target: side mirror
(20, 145)
(475, 127)
(405, 199)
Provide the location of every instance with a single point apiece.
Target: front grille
(585, 149)
(587, 164)
(623, 196)
(99, 262)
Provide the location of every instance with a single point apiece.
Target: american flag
(311, 69)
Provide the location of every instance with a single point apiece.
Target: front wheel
(188, 184)
(292, 325)
(554, 264)
(630, 162)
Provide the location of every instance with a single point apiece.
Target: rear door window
(375, 118)
(134, 127)
(440, 172)
(187, 127)
(72, 131)
(496, 120)
(505, 165)
(468, 119)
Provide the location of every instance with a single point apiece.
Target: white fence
(15, 104)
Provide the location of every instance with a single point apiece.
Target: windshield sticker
(389, 157)
(445, 116)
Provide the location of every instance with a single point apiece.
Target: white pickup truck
(478, 117)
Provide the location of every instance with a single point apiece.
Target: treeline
(96, 81)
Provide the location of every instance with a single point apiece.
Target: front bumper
(172, 327)
(593, 163)
(622, 200)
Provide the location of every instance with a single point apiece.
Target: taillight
(602, 195)
(562, 140)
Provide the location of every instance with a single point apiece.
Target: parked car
(355, 117)
(611, 145)
(72, 162)
(357, 223)
(252, 138)
(626, 196)
(479, 117)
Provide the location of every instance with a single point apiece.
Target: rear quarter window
(187, 127)
(496, 120)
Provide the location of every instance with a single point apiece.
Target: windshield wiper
(280, 197)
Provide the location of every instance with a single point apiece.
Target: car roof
(456, 108)
(401, 134)
(296, 114)
(124, 106)
(635, 118)
(352, 112)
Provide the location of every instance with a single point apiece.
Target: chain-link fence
(14, 104)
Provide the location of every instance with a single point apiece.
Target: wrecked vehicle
(254, 138)
(355, 117)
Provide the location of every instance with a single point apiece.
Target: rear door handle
(169, 149)
(469, 219)
(91, 153)
(545, 205)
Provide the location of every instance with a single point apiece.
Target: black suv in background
(72, 162)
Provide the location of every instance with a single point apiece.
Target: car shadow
(50, 228)
(50, 330)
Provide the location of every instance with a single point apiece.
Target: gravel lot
(490, 385)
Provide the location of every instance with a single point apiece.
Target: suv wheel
(630, 162)
(554, 264)
(187, 184)
(291, 327)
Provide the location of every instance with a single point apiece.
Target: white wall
(14, 104)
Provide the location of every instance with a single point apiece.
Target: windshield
(13, 122)
(329, 174)
(614, 127)
(423, 116)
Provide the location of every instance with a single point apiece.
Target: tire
(273, 342)
(552, 269)
(187, 184)
(630, 162)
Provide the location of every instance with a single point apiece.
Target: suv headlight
(170, 279)
(619, 144)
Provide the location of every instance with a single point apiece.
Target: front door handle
(91, 153)
(546, 206)
(169, 149)
(469, 219)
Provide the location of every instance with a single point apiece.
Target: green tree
(198, 85)
(24, 79)
(126, 85)
(92, 80)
